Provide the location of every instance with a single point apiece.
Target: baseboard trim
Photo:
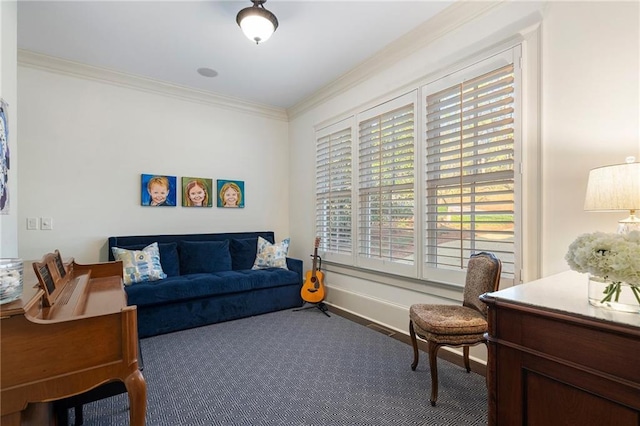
(450, 356)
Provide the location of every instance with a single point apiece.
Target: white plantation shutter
(386, 183)
(470, 180)
(334, 191)
(468, 196)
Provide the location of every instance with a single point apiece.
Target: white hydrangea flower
(614, 257)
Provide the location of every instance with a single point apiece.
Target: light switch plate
(46, 223)
(32, 223)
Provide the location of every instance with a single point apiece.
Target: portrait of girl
(158, 190)
(231, 193)
(196, 192)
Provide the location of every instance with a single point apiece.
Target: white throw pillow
(271, 255)
(140, 265)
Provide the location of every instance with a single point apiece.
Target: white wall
(85, 143)
(590, 113)
(588, 63)
(8, 37)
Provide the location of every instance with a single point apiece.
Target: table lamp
(616, 187)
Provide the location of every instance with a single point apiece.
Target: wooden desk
(553, 359)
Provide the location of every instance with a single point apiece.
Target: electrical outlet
(32, 223)
(46, 223)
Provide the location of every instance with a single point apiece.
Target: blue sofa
(204, 284)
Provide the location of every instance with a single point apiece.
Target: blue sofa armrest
(296, 266)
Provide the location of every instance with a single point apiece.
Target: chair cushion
(447, 319)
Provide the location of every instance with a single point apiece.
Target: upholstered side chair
(455, 325)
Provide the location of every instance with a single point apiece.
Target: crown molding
(31, 59)
(429, 31)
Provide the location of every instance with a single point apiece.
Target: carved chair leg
(414, 342)
(465, 352)
(433, 363)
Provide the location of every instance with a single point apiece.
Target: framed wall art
(4, 159)
(196, 192)
(158, 190)
(230, 193)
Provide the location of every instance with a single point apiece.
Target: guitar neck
(315, 262)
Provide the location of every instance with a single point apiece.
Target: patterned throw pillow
(140, 265)
(271, 255)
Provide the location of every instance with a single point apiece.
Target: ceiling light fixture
(257, 23)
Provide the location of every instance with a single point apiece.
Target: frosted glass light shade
(257, 23)
(257, 28)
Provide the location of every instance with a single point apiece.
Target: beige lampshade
(615, 187)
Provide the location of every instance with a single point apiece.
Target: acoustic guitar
(313, 288)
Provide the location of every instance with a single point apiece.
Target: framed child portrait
(158, 190)
(230, 193)
(196, 192)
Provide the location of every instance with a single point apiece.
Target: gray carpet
(293, 368)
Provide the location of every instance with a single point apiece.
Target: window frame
(379, 264)
(488, 63)
(346, 124)
(523, 48)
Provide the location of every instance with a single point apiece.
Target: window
(470, 181)
(466, 198)
(386, 208)
(334, 189)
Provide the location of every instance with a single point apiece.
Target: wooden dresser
(556, 360)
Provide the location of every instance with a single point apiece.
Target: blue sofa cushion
(168, 257)
(243, 252)
(196, 286)
(197, 257)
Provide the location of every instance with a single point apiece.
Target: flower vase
(615, 295)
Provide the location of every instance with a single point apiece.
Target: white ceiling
(317, 40)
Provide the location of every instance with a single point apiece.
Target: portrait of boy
(158, 190)
(230, 193)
